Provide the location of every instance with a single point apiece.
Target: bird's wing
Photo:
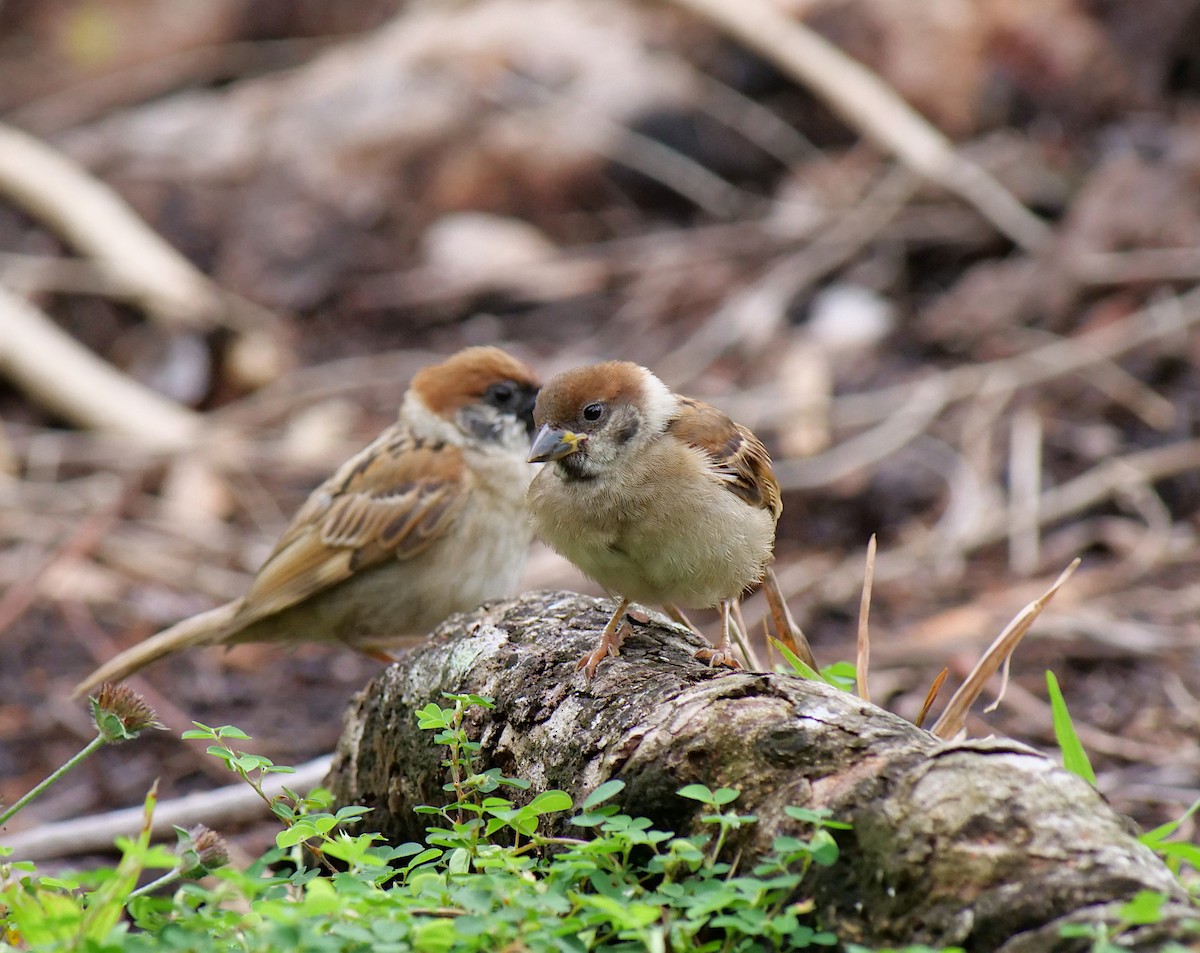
(390, 501)
(738, 457)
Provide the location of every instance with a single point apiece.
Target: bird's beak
(554, 444)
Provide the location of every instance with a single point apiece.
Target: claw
(609, 645)
(715, 657)
(610, 641)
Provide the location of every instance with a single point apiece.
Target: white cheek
(659, 403)
(426, 424)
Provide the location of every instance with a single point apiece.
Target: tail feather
(207, 628)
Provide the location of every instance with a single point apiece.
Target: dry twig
(954, 717)
(862, 657)
(228, 805)
(931, 696)
(97, 222)
(1154, 323)
(874, 108)
(71, 380)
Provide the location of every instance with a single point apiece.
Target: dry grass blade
(786, 629)
(931, 696)
(737, 627)
(1005, 670)
(862, 657)
(955, 715)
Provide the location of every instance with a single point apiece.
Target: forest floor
(992, 381)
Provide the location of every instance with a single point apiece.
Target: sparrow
(661, 499)
(425, 521)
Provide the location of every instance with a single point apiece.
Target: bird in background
(661, 499)
(425, 521)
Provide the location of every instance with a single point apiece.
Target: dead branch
(97, 222)
(874, 108)
(74, 382)
(227, 805)
(979, 843)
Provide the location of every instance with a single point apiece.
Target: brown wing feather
(738, 456)
(390, 501)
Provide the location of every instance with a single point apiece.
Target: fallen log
(986, 844)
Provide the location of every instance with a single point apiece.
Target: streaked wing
(390, 501)
(738, 456)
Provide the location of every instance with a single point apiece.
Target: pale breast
(652, 545)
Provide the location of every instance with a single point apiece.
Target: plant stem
(169, 877)
(95, 743)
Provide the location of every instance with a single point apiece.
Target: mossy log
(986, 844)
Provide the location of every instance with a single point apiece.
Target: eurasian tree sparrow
(659, 498)
(425, 521)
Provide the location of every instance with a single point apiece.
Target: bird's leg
(610, 641)
(676, 615)
(368, 649)
(723, 653)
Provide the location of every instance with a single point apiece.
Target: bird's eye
(500, 394)
(593, 412)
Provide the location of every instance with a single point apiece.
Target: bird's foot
(608, 645)
(714, 657)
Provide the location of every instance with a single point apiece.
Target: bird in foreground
(425, 521)
(661, 499)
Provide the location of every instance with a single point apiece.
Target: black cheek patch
(572, 467)
(628, 431)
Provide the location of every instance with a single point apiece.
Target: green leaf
(725, 795)
(824, 848)
(432, 716)
(1181, 851)
(607, 790)
(696, 792)
(424, 857)
(841, 675)
(435, 936)
(1153, 839)
(549, 801)
(470, 698)
(820, 816)
(1144, 908)
(799, 667)
(1075, 759)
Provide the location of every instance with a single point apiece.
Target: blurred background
(986, 358)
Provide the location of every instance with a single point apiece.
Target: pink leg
(610, 642)
(723, 653)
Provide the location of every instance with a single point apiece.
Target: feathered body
(425, 521)
(660, 498)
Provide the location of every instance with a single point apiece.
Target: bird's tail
(206, 628)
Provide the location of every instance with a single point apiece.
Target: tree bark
(986, 844)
